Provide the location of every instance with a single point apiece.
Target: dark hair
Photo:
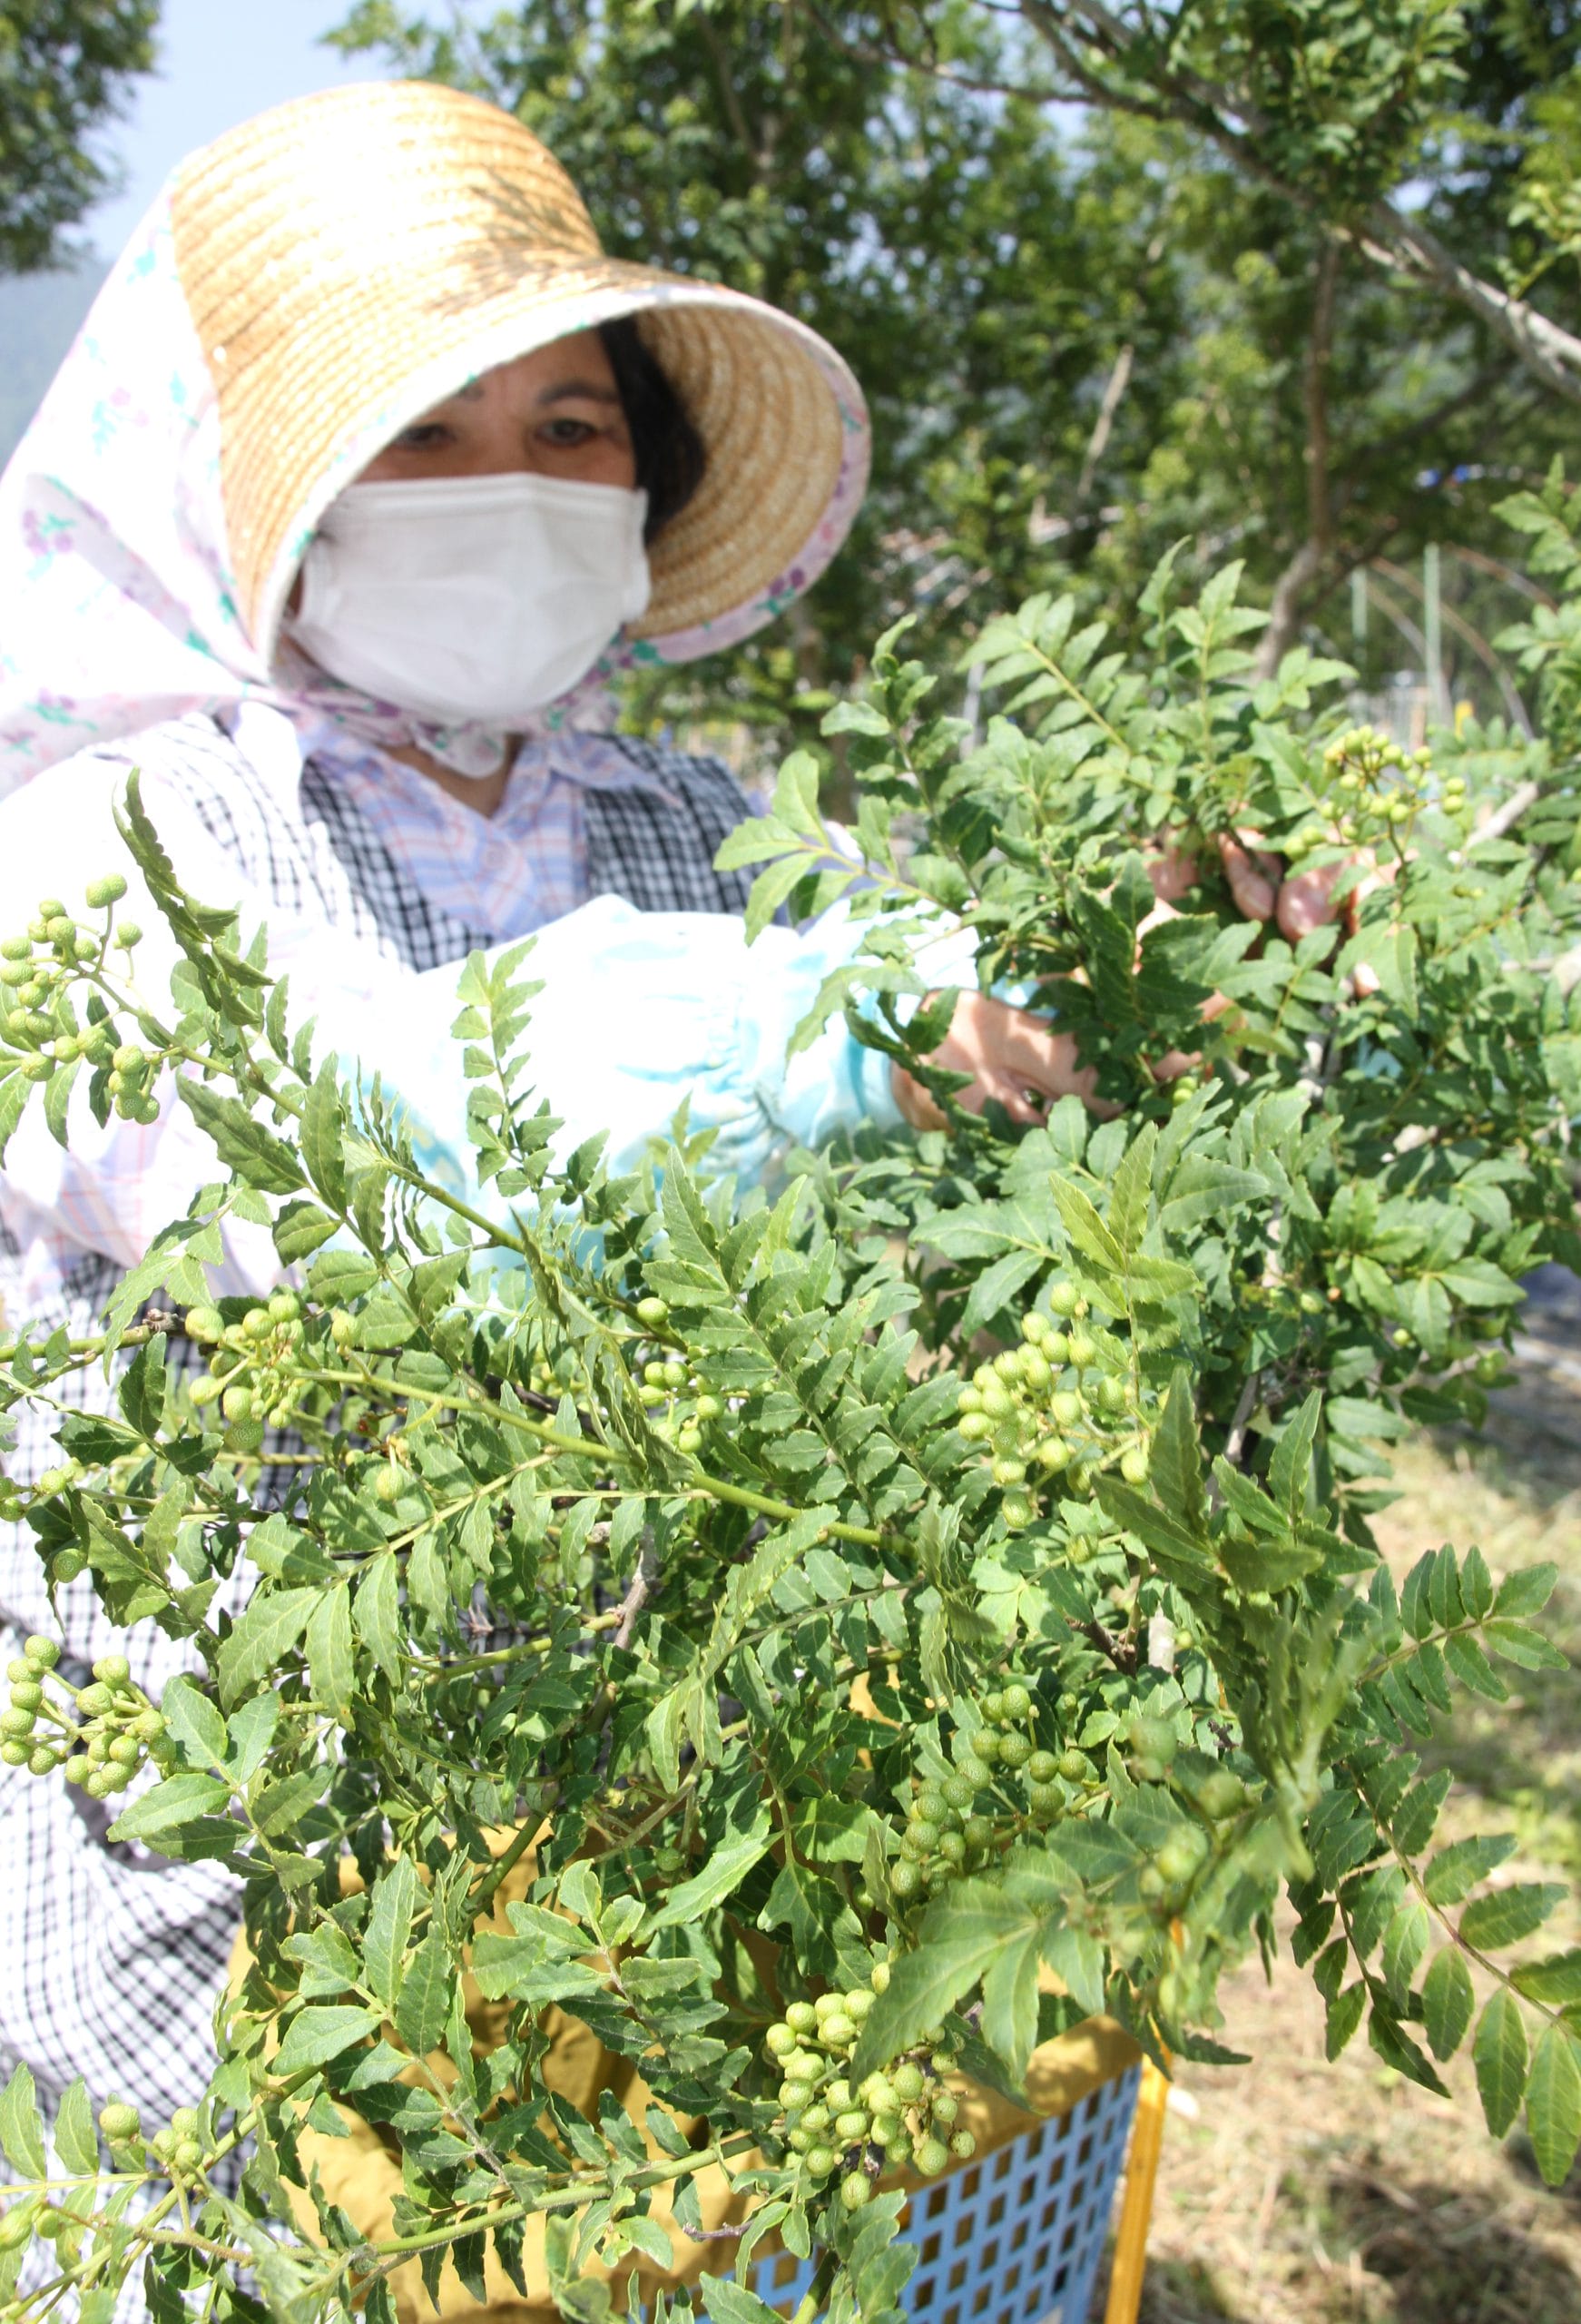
(670, 453)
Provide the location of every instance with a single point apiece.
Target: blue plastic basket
(1014, 2238)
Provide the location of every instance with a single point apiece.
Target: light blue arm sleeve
(644, 1012)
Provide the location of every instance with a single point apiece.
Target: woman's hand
(1012, 1057)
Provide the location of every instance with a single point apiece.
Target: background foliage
(63, 69)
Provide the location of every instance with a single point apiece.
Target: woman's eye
(565, 435)
(427, 435)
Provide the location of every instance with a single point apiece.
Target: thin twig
(636, 1597)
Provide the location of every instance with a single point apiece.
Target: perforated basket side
(1013, 2239)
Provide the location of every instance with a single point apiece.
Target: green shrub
(1057, 1447)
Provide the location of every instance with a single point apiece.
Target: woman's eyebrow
(579, 392)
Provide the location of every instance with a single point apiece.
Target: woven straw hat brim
(352, 259)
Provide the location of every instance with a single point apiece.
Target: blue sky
(219, 61)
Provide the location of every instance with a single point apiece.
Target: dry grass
(1297, 2193)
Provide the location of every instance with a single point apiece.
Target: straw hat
(352, 258)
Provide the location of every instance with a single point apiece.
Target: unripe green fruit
(794, 2097)
(998, 1402)
(881, 1977)
(801, 2017)
(1009, 1472)
(16, 1722)
(1082, 1349)
(1134, 1465)
(27, 1694)
(125, 1750)
(1066, 1408)
(652, 1311)
(962, 2146)
(904, 1880)
(1074, 1766)
(66, 1565)
(1044, 1798)
(855, 2190)
(205, 1390)
(946, 2106)
(1015, 1510)
(821, 2161)
(709, 1408)
(1015, 1701)
(932, 2156)
(1181, 1854)
(78, 1767)
(802, 2066)
(21, 1669)
(970, 1399)
(237, 1404)
(1043, 1767)
(95, 1701)
(112, 1669)
(958, 1793)
(1061, 1298)
(119, 2123)
(837, 2097)
(98, 1784)
(387, 1484)
(799, 2142)
(908, 2083)
(851, 2125)
(779, 2041)
(1220, 1794)
(1112, 1393)
(816, 2119)
(129, 934)
(838, 2031)
(188, 2155)
(16, 2225)
(976, 1427)
(13, 1754)
(978, 1832)
(1014, 1750)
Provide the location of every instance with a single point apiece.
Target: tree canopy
(63, 69)
(1295, 282)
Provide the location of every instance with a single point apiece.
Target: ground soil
(1293, 2191)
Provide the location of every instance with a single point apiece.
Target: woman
(366, 473)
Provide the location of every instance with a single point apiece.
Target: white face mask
(472, 600)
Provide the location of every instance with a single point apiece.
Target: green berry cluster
(100, 1734)
(37, 1018)
(253, 1373)
(1374, 791)
(903, 2117)
(179, 2146)
(681, 1406)
(1059, 1405)
(1001, 1781)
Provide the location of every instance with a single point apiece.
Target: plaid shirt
(111, 1962)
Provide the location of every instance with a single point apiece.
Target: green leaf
(1344, 2015)
(1455, 1871)
(389, 1927)
(1553, 2102)
(321, 2032)
(960, 1940)
(731, 2303)
(1525, 1592)
(267, 1630)
(1514, 1642)
(77, 2142)
(256, 1156)
(725, 1870)
(1507, 1914)
(1499, 2057)
(195, 1722)
(1555, 1982)
(1131, 1190)
(328, 1642)
(179, 1800)
(321, 1135)
(21, 2129)
(422, 2003)
(1010, 1999)
(1449, 1999)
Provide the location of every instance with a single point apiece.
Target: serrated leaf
(1449, 1999)
(266, 1630)
(1553, 2102)
(1344, 2015)
(21, 2129)
(389, 1927)
(1455, 1871)
(321, 1135)
(321, 2032)
(726, 1868)
(1510, 1914)
(329, 1660)
(422, 2003)
(1555, 1982)
(77, 2142)
(1499, 2057)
